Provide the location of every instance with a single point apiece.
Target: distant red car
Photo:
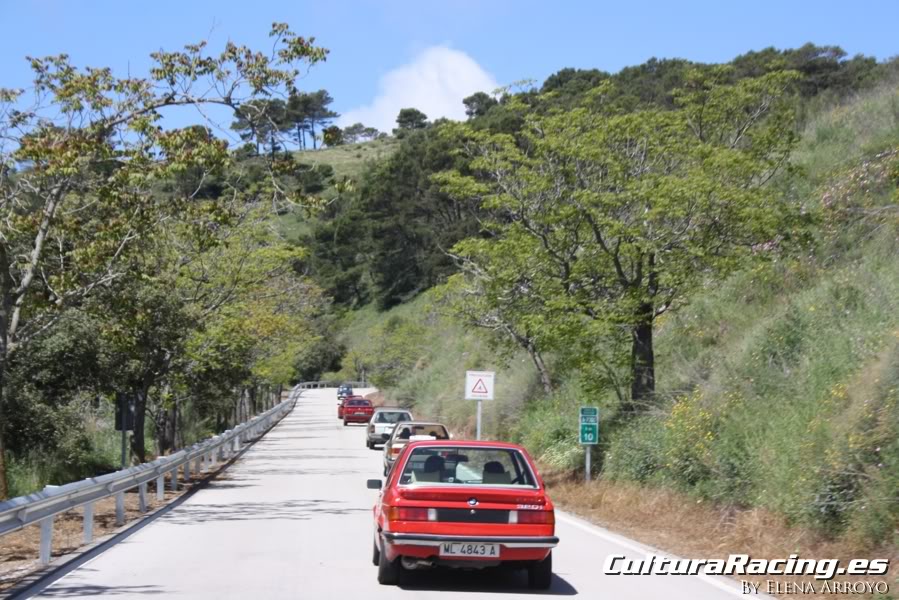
(463, 504)
(341, 404)
(357, 409)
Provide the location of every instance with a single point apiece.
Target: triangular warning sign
(479, 387)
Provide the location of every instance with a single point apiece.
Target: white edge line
(643, 549)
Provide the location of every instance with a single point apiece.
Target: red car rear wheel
(540, 574)
(388, 571)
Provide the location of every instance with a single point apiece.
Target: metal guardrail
(313, 385)
(41, 507)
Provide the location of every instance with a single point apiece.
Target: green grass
(350, 160)
(419, 357)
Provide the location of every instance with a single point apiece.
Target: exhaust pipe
(410, 564)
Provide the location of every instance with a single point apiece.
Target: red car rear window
(358, 403)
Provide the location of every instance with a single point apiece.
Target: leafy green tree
(333, 136)
(478, 104)
(354, 133)
(410, 118)
(299, 107)
(84, 154)
(318, 112)
(410, 222)
(262, 122)
(623, 215)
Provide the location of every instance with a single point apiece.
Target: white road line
(722, 584)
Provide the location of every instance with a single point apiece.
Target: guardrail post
(160, 488)
(173, 482)
(142, 497)
(198, 464)
(46, 540)
(88, 522)
(187, 470)
(211, 456)
(237, 443)
(120, 508)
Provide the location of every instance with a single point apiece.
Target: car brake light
(402, 513)
(532, 517)
(395, 450)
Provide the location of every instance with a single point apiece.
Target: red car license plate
(362, 414)
(469, 549)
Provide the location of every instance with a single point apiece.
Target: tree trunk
(138, 439)
(542, 371)
(312, 128)
(643, 383)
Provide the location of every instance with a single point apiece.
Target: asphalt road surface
(292, 519)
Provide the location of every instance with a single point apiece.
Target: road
(292, 519)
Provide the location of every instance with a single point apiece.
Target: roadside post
(479, 386)
(588, 433)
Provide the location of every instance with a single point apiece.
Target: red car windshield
(467, 465)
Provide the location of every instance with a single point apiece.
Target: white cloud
(435, 82)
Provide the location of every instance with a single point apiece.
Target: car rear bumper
(509, 541)
(356, 418)
(426, 547)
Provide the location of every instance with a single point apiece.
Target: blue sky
(426, 53)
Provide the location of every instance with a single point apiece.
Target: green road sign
(589, 425)
(589, 433)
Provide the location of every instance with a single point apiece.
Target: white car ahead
(382, 423)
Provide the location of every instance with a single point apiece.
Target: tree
(319, 113)
(354, 133)
(623, 215)
(410, 118)
(82, 157)
(409, 221)
(262, 121)
(478, 104)
(299, 106)
(333, 136)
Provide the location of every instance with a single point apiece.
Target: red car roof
(465, 444)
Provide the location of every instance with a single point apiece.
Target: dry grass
(685, 527)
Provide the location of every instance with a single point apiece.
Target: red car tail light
(532, 517)
(402, 513)
(395, 450)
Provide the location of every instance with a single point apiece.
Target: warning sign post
(479, 386)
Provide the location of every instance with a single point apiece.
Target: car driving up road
(403, 433)
(382, 422)
(463, 504)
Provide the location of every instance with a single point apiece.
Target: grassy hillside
(348, 161)
(779, 386)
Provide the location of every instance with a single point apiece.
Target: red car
(463, 504)
(357, 409)
(341, 404)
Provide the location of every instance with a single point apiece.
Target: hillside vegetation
(778, 386)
